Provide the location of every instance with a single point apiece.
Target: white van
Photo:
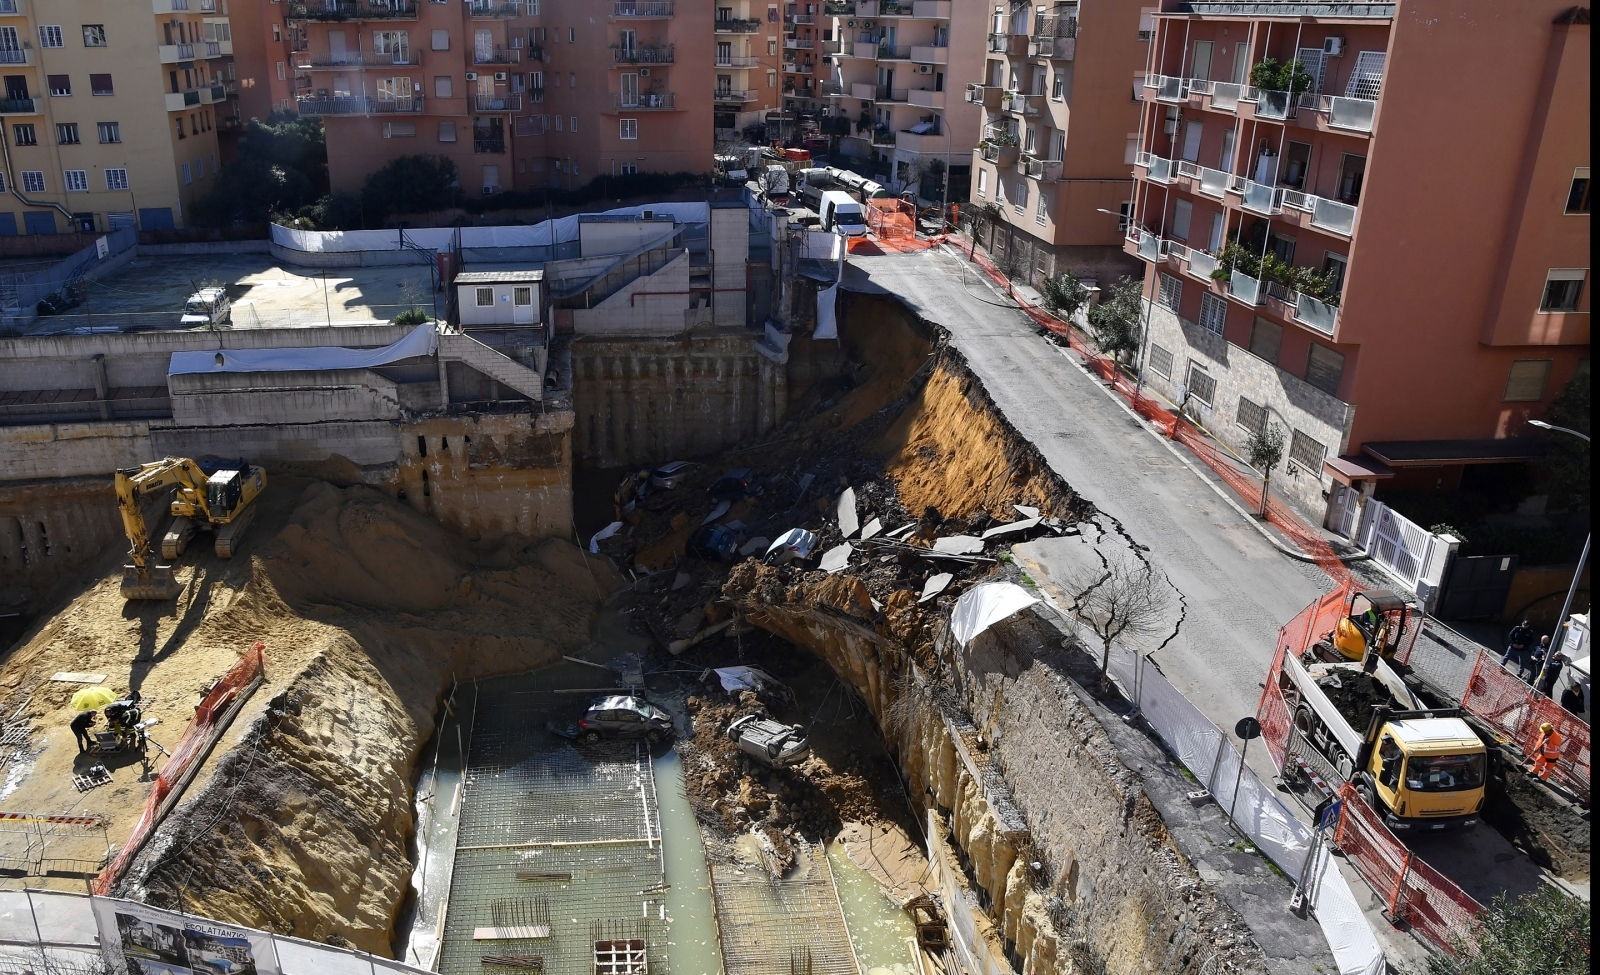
(207, 308)
(842, 214)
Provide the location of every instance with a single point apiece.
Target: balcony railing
(1150, 247)
(1056, 27)
(1225, 96)
(352, 10)
(20, 106)
(737, 95)
(925, 98)
(497, 56)
(1201, 264)
(797, 43)
(653, 9)
(1168, 87)
(883, 93)
(1326, 214)
(1315, 313)
(1045, 169)
(930, 9)
(639, 55)
(505, 102)
(799, 67)
(1161, 169)
(307, 60)
(986, 95)
(1010, 45)
(1354, 114)
(998, 153)
(513, 8)
(733, 61)
(1215, 182)
(1245, 288)
(1261, 198)
(358, 105)
(1276, 105)
(654, 102)
(1055, 48)
(1020, 104)
(802, 19)
(488, 144)
(737, 26)
(11, 55)
(170, 53)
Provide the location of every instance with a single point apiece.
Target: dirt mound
(1354, 695)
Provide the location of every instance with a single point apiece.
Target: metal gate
(1397, 543)
(1477, 587)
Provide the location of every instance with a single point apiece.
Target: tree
(1064, 294)
(1269, 75)
(1545, 932)
(413, 294)
(1114, 322)
(409, 184)
(283, 165)
(988, 214)
(1566, 466)
(1265, 450)
(1126, 599)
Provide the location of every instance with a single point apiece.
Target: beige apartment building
(519, 95)
(110, 111)
(749, 64)
(1060, 128)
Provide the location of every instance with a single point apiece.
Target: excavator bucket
(152, 582)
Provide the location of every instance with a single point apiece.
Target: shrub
(1269, 75)
(1114, 322)
(409, 184)
(1063, 294)
(1545, 932)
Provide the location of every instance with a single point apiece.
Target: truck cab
(1423, 772)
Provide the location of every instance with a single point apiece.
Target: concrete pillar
(102, 388)
(444, 384)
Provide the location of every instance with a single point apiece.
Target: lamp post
(1566, 607)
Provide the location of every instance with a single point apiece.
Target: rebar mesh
(769, 925)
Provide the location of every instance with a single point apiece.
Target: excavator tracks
(177, 538)
(230, 536)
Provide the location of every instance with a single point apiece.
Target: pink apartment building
(1434, 171)
(519, 94)
(749, 62)
(264, 56)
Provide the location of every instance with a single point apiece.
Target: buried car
(623, 716)
(794, 545)
(769, 742)
(713, 542)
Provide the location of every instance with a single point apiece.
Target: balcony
(1215, 183)
(169, 7)
(1168, 88)
(1201, 264)
(1225, 96)
(1329, 215)
(1276, 106)
(337, 10)
(802, 20)
(925, 98)
(1150, 247)
(212, 94)
(1261, 198)
(357, 105)
(865, 91)
(883, 137)
(1245, 288)
(1350, 114)
(177, 101)
(537, 53)
(736, 95)
(497, 56)
(1161, 170)
(930, 54)
(634, 55)
(21, 106)
(883, 93)
(489, 144)
(803, 91)
(737, 26)
(324, 60)
(652, 102)
(798, 43)
(1001, 155)
(1315, 314)
(1009, 45)
(641, 9)
(218, 49)
(986, 95)
(1019, 104)
(865, 49)
(799, 67)
(730, 61)
(490, 11)
(1054, 48)
(930, 9)
(173, 53)
(1048, 170)
(505, 102)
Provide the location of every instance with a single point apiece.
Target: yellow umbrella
(92, 698)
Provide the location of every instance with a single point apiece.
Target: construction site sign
(152, 941)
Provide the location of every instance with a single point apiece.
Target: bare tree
(1126, 598)
(1265, 449)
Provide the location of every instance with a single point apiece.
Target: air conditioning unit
(501, 76)
(644, 72)
(1333, 46)
(867, 24)
(472, 76)
(924, 69)
(849, 23)
(490, 190)
(1170, 127)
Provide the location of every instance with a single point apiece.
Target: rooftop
(499, 277)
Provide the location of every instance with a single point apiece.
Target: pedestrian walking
(1519, 645)
(1546, 750)
(80, 730)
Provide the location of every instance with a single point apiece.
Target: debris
(902, 531)
(754, 545)
(849, 522)
(526, 963)
(958, 545)
(94, 777)
(71, 677)
(934, 586)
(736, 679)
(678, 646)
(805, 485)
(984, 605)
(717, 512)
(836, 558)
(873, 527)
(1026, 510)
(602, 535)
(713, 542)
(680, 580)
(1014, 527)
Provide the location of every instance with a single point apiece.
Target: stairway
(508, 372)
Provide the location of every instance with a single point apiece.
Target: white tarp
(736, 679)
(827, 322)
(541, 234)
(983, 606)
(821, 245)
(423, 340)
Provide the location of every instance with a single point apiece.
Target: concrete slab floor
(149, 293)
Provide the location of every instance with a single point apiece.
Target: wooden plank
(73, 677)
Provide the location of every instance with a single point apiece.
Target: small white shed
(500, 298)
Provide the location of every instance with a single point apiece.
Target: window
(1266, 339)
(1202, 386)
(1038, 210)
(558, 119)
(572, 35)
(1130, 149)
(1563, 287)
(1021, 201)
(1058, 86)
(188, 174)
(772, 48)
(1527, 380)
(572, 79)
(983, 182)
(60, 85)
(33, 181)
(628, 128)
(484, 296)
(1578, 195)
(1171, 292)
(1306, 452)
(67, 133)
(443, 87)
(277, 32)
(50, 35)
(1324, 368)
(94, 35)
(522, 296)
(1160, 361)
(100, 84)
(25, 135)
(1252, 417)
(1333, 265)
(399, 130)
(572, 123)
(282, 74)
(1124, 217)
(441, 40)
(180, 128)
(628, 169)
(1182, 214)
(394, 44)
(116, 179)
(447, 132)
(1213, 312)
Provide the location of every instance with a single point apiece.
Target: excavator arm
(143, 579)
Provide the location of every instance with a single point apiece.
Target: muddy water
(883, 935)
(692, 935)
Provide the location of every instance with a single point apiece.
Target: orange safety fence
(196, 740)
(1500, 699)
(1413, 893)
(891, 219)
(1180, 428)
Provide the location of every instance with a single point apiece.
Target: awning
(1352, 470)
(1437, 453)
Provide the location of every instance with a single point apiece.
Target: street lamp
(1566, 607)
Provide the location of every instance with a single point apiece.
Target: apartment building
(542, 93)
(895, 66)
(1390, 269)
(808, 30)
(110, 114)
(748, 64)
(1059, 127)
(265, 42)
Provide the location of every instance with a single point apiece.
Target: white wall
(502, 311)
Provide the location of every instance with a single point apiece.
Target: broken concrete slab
(1026, 510)
(849, 522)
(836, 558)
(872, 528)
(934, 586)
(1015, 527)
(717, 512)
(902, 531)
(958, 545)
(680, 580)
(754, 545)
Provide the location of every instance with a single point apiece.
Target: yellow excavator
(221, 502)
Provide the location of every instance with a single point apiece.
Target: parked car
(668, 476)
(713, 542)
(207, 308)
(769, 742)
(734, 485)
(623, 716)
(794, 545)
